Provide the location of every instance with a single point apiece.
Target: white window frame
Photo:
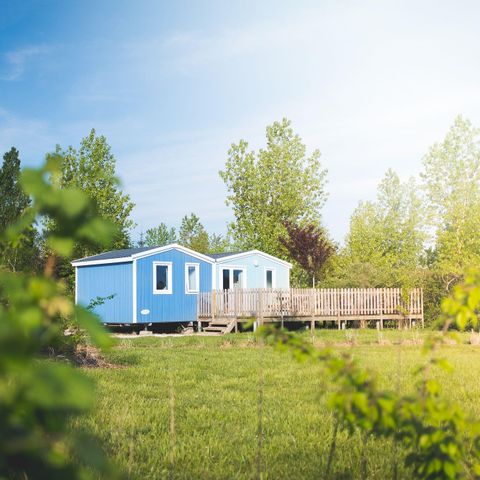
(231, 268)
(197, 275)
(169, 266)
(274, 276)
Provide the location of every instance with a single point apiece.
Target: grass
(187, 408)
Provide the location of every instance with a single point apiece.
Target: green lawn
(215, 402)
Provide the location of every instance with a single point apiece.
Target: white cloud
(16, 61)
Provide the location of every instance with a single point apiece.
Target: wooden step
(220, 326)
(214, 329)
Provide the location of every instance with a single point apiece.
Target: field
(189, 407)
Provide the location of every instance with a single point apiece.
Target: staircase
(220, 326)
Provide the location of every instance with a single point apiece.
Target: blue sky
(372, 84)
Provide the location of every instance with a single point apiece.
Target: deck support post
(199, 325)
(236, 325)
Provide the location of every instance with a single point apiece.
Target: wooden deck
(340, 305)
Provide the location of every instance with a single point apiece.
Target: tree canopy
(451, 180)
(23, 254)
(192, 234)
(266, 189)
(385, 243)
(91, 169)
(309, 247)
(160, 236)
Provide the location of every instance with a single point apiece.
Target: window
(233, 277)
(192, 277)
(237, 278)
(269, 278)
(162, 277)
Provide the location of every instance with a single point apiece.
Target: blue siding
(105, 280)
(177, 306)
(255, 266)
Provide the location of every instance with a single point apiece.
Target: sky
(371, 84)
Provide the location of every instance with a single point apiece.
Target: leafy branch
(441, 441)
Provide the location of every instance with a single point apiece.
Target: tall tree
(271, 187)
(23, 255)
(451, 179)
(91, 169)
(160, 236)
(385, 244)
(192, 234)
(309, 246)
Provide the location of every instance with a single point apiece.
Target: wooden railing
(325, 303)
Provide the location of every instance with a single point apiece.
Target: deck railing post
(312, 310)
(260, 305)
(421, 306)
(214, 303)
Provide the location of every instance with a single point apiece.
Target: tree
(219, 243)
(192, 234)
(276, 185)
(160, 236)
(385, 244)
(451, 180)
(91, 169)
(308, 246)
(24, 254)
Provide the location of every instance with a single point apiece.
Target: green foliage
(276, 185)
(463, 305)
(451, 179)
(219, 243)
(441, 441)
(38, 397)
(23, 253)
(384, 246)
(160, 236)
(192, 234)
(97, 301)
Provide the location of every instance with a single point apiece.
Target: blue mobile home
(144, 285)
(160, 284)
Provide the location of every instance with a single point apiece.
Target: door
(233, 277)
